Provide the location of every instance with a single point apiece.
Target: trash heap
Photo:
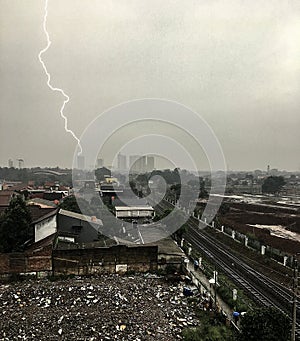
(109, 307)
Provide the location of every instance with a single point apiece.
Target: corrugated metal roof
(46, 216)
(43, 202)
(79, 216)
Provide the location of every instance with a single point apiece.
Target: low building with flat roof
(124, 212)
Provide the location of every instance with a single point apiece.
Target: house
(76, 227)
(84, 228)
(45, 226)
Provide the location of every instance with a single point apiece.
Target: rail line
(263, 290)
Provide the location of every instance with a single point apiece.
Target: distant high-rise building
(122, 162)
(10, 163)
(150, 163)
(138, 164)
(143, 163)
(21, 163)
(132, 162)
(268, 169)
(80, 162)
(100, 163)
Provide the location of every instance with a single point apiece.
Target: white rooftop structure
(90, 219)
(134, 211)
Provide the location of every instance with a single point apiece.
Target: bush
(265, 324)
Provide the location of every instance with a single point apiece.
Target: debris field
(110, 307)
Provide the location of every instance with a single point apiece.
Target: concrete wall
(45, 228)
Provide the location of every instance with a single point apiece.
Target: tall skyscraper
(132, 162)
(143, 167)
(21, 163)
(10, 163)
(80, 162)
(138, 163)
(122, 162)
(150, 163)
(100, 163)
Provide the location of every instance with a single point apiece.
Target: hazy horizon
(236, 63)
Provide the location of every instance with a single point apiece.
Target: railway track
(263, 290)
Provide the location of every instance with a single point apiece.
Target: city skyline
(236, 64)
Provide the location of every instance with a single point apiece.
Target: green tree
(198, 185)
(194, 183)
(208, 333)
(265, 324)
(211, 329)
(101, 173)
(73, 204)
(15, 226)
(273, 184)
(170, 176)
(139, 185)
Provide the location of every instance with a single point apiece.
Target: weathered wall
(85, 231)
(119, 258)
(44, 228)
(37, 258)
(11, 263)
(99, 260)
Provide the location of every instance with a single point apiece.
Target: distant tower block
(268, 169)
(150, 163)
(122, 162)
(80, 162)
(143, 164)
(21, 163)
(10, 163)
(100, 163)
(133, 163)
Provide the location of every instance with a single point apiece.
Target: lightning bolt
(66, 97)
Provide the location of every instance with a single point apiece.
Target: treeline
(28, 174)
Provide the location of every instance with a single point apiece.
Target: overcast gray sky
(237, 63)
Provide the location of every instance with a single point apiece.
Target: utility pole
(295, 289)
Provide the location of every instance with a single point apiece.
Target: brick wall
(12, 263)
(119, 258)
(37, 258)
(99, 260)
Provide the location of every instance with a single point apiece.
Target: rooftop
(5, 197)
(79, 216)
(43, 203)
(46, 216)
(134, 208)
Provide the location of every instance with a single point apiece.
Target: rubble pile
(109, 307)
